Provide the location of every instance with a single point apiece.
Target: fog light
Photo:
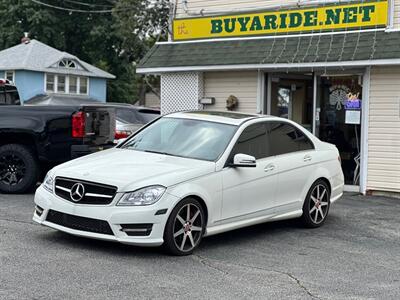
(137, 229)
(38, 210)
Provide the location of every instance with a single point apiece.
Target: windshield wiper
(164, 153)
(158, 152)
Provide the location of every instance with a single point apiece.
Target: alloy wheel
(12, 169)
(319, 203)
(188, 227)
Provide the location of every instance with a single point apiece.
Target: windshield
(184, 138)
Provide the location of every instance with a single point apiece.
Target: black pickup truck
(35, 138)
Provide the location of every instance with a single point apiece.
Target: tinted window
(147, 115)
(286, 138)
(127, 115)
(2, 96)
(253, 141)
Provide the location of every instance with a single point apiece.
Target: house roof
(317, 50)
(36, 56)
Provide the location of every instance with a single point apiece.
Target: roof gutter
(360, 63)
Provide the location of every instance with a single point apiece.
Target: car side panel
(293, 174)
(326, 165)
(208, 188)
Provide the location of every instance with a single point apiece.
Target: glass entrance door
(292, 98)
(338, 120)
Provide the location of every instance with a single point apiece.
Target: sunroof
(226, 114)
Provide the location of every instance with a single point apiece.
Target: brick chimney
(25, 39)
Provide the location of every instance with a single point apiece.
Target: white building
(332, 66)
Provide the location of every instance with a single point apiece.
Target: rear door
(294, 158)
(249, 191)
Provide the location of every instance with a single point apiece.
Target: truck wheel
(18, 169)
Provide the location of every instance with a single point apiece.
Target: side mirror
(244, 161)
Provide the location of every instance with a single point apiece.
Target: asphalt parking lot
(354, 256)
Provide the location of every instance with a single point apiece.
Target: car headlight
(145, 196)
(48, 183)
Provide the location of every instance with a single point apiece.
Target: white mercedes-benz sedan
(193, 174)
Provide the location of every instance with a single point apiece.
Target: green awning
(344, 48)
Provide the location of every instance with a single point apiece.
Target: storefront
(334, 68)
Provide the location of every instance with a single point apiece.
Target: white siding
(238, 5)
(396, 18)
(384, 130)
(221, 85)
(152, 100)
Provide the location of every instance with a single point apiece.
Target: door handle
(269, 168)
(307, 158)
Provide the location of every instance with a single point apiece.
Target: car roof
(226, 117)
(130, 106)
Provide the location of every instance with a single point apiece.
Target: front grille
(79, 223)
(94, 193)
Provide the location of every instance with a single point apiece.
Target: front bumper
(112, 214)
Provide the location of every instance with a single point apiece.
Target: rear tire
(316, 205)
(185, 227)
(18, 169)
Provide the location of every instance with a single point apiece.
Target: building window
(50, 83)
(9, 75)
(67, 84)
(83, 85)
(61, 83)
(67, 63)
(73, 84)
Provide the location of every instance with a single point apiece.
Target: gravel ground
(355, 255)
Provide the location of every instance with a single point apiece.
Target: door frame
(265, 99)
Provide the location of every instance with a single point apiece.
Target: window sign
(352, 102)
(355, 16)
(353, 117)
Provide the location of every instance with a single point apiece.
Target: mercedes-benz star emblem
(77, 192)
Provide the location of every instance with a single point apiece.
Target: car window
(2, 97)
(285, 138)
(12, 98)
(183, 137)
(253, 141)
(147, 115)
(127, 115)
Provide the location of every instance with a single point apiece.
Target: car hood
(130, 169)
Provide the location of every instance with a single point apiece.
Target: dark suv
(8, 93)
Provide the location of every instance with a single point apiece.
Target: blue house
(38, 69)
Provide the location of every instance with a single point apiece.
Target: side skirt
(253, 221)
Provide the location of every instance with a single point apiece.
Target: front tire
(316, 205)
(185, 228)
(18, 169)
